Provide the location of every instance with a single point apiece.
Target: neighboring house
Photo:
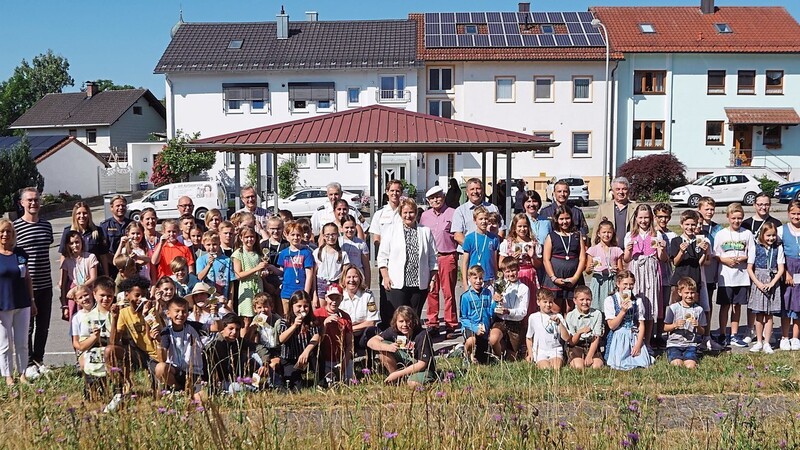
(228, 77)
(105, 121)
(67, 164)
(530, 72)
(717, 87)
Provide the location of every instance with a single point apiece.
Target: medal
(567, 258)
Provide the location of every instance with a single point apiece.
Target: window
(353, 96)
(648, 135)
(580, 144)
(543, 89)
(772, 136)
(353, 157)
(323, 94)
(441, 108)
(581, 89)
(301, 159)
(440, 79)
(548, 152)
(91, 136)
(451, 165)
(235, 95)
(324, 160)
(73, 132)
(547, 29)
(649, 82)
(504, 89)
(393, 88)
(647, 28)
(774, 82)
(235, 44)
(470, 29)
(747, 82)
(324, 104)
(714, 132)
(137, 110)
(716, 82)
(159, 196)
(723, 28)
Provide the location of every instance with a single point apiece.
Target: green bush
(288, 173)
(659, 197)
(767, 185)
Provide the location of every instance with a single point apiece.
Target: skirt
(563, 268)
(527, 275)
(648, 285)
(769, 303)
(791, 298)
(602, 286)
(618, 351)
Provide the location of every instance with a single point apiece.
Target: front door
(743, 143)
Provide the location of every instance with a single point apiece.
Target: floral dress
(248, 286)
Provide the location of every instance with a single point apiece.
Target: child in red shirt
(336, 328)
(168, 248)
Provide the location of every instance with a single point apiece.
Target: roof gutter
(61, 126)
(344, 147)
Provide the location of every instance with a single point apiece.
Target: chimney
(312, 16)
(283, 24)
(524, 7)
(91, 89)
(707, 6)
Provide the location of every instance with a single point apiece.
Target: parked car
(788, 192)
(725, 188)
(305, 202)
(205, 195)
(578, 190)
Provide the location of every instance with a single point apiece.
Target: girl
(85, 301)
(205, 311)
(790, 235)
(163, 291)
(406, 349)
(95, 330)
(603, 262)
(297, 265)
(213, 219)
(134, 245)
(94, 241)
(299, 338)
(196, 237)
(564, 257)
(357, 250)
(329, 259)
(151, 235)
(522, 246)
(249, 267)
(77, 268)
(341, 211)
(644, 251)
(546, 334)
(624, 313)
(765, 267)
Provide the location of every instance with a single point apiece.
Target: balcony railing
(393, 96)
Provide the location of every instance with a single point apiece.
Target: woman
(94, 239)
(407, 260)
(151, 235)
(16, 308)
(341, 210)
(213, 219)
(453, 197)
(360, 305)
(539, 230)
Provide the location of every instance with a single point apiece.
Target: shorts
(682, 353)
(513, 332)
(581, 352)
(135, 358)
(545, 354)
(732, 295)
(181, 377)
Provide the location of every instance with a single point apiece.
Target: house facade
(712, 85)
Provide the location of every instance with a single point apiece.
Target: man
(619, 210)
(384, 218)
(439, 219)
(325, 213)
(519, 197)
(250, 200)
(186, 206)
(560, 197)
(35, 235)
(114, 228)
(463, 222)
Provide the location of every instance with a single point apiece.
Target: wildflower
(133, 396)
(633, 437)
(390, 434)
(200, 409)
(782, 444)
(750, 367)
(354, 381)
(420, 389)
(562, 424)
(171, 411)
(63, 398)
(759, 384)
(14, 394)
(162, 410)
(164, 392)
(449, 376)
(720, 415)
(626, 394)
(40, 391)
(660, 399)
(366, 372)
(440, 394)
(497, 417)
(71, 410)
(46, 430)
(766, 368)
(625, 443)
(195, 402)
(520, 406)
(115, 370)
(634, 406)
(468, 389)
(367, 437)
(739, 375)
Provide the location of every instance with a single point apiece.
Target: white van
(205, 195)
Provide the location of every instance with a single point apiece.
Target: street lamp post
(607, 133)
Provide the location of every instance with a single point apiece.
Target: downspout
(612, 124)
(171, 108)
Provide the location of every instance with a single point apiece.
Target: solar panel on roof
(431, 28)
(580, 40)
(463, 18)
(478, 17)
(449, 40)
(448, 18)
(540, 17)
(465, 40)
(596, 39)
(571, 17)
(495, 28)
(514, 40)
(547, 40)
(431, 17)
(574, 28)
(511, 28)
(524, 17)
(555, 17)
(448, 28)
(509, 17)
(588, 28)
(493, 17)
(530, 40)
(497, 40)
(481, 40)
(433, 41)
(563, 40)
(585, 16)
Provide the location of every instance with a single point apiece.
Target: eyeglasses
(189, 205)
(249, 197)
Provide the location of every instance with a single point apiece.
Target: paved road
(59, 347)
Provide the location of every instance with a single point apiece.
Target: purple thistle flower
(354, 381)
(750, 367)
(440, 394)
(71, 410)
(468, 389)
(367, 437)
(634, 437)
(626, 394)
(200, 409)
(759, 384)
(171, 411)
(115, 370)
(162, 410)
(389, 434)
(497, 417)
(562, 424)
(782, 444)
(366, 372)
(660, 399)
(420, 389)
(40, 391)
(449, 376)
(164, 392)
(720, 415)
(63, 398)
(625, 443)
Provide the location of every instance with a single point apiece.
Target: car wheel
(135, 216)
(749, 198)
(694, 200)
(200, 214)
(796, 196)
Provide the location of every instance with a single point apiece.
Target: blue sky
(123, 40)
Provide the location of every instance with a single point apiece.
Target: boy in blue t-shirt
(480, 248)
(296, 264)
(214, 267)
(477, 308)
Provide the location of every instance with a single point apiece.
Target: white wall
(71, 169)
(136, 128)
(102, 144)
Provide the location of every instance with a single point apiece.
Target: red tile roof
(505, 53)
(687, 30)
(374, 127)
(762, 116)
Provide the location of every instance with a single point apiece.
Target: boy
(708, 228)
(684, 321)
(271, 247)
(477, 308)
(184, 280)
(186, 223)
(480, 248)
(95, 329)
(181, 349)
(690, 253)
(168, 248)
(229, 357)
(512, 307)
(336, 347)
(215, 267)
(264, 332)
(731, 247)
(663, 214)
(585, 326)
(196, 238)
(226, 237)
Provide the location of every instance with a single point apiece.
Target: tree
(653, 174)
(108, 85)
(48, 73)
(288, 173)
(178, 160)
(20, 171)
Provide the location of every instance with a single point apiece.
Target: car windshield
(573, 181)
(702, 180)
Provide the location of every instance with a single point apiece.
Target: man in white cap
(439, 218)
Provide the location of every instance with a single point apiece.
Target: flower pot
(143, 185)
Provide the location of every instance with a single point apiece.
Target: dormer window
(723, 28)
(235, 44)
(547, 29)
(470, 29)
(647, 28)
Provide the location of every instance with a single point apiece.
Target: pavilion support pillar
(483, 171)
(509, 207)
(379, 179)
(494, 178)
(275, 182)
(237, 180)
(258, 186)
(373, 194)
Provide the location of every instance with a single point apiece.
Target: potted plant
(143, 185)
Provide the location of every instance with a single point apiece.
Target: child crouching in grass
(684, 321)
(585, 325)
(181, 350)
(230, 362)
(299, 338)
(83, 297)
(546, 333)
(406, 349)
(477, 308)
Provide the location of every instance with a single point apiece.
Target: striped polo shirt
(35, 238)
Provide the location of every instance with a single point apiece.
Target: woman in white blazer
(407, 260)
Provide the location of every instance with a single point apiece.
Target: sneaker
(747, 339)
(722, 340)
(113, 404)
(767, 349)
(43, 370)
(715, 346)
(736, 341)
(795, 344)
(757, 348)
(785, 344)
(32, 373)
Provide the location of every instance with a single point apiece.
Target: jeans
(14, 338)
(40, 325)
